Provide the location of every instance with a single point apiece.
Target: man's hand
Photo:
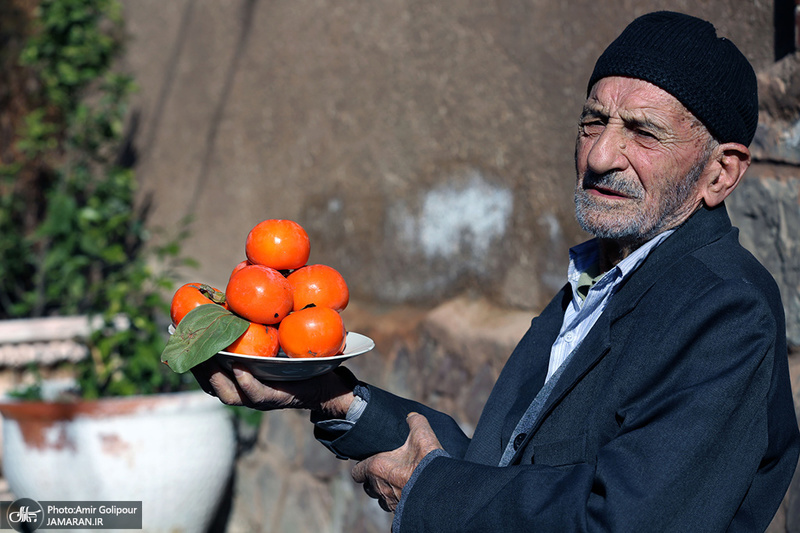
(384, 475)
(327, 394)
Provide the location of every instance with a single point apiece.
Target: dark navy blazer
(674, 414)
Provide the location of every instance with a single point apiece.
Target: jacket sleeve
(382, 427)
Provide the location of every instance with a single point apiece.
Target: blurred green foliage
(72, 238)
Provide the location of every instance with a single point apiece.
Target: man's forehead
(635, 99)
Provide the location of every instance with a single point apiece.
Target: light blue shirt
(581, 314)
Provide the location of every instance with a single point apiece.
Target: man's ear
(726, 168)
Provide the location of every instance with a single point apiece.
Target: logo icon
(25, 515)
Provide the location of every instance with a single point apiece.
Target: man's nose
(608, 153)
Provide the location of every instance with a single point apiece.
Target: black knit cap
(683, 55)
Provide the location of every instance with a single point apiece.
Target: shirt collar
(585, 255)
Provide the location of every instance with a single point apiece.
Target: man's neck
(612, 252)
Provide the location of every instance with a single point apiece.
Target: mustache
(612, 182)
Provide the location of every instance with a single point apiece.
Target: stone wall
(766, 207)
(427, 147)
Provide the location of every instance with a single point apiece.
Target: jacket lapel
(528, 381)
(593, 348)
(705, 226)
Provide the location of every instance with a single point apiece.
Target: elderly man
(652, 394)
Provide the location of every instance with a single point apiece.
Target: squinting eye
(645, 133)
(591, 128)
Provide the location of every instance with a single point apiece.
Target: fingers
(382, 500)
(372, 493)
(215, 381)
(241, 388)
(386, 506)
(376, 488)
(360, 470)
(374, 473)
(254, 391)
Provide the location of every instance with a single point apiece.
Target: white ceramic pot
(173, 452)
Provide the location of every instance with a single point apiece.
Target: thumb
(417, 422)
(421, 433)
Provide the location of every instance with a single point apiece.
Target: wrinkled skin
(644, 164)
(384, 475)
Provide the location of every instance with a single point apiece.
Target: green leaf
(204, 331)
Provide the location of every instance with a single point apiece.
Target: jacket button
(518, 440)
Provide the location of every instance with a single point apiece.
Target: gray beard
(639, 227)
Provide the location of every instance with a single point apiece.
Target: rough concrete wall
(426, 146)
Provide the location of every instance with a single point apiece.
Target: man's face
(638, 156)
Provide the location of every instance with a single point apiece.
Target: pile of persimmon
(291, 306)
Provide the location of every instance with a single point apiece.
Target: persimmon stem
(218, 297)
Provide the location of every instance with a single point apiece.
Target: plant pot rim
(55, 328)
(17, 409)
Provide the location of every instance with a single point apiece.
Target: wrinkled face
(638, 156)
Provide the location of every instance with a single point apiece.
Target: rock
(766, 207)
(778, 135)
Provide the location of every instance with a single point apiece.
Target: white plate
(297, 368)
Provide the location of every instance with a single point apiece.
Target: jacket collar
(704, 226)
